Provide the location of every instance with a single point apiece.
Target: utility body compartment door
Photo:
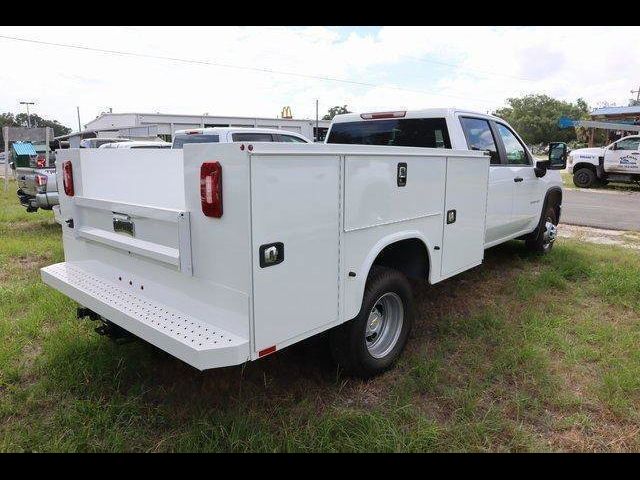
(295, 242)
(465, 214)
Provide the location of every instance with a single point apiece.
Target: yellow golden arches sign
(286, 112)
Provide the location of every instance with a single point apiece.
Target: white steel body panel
(334, 207)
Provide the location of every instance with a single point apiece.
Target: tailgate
(141, 253)
(132, 202)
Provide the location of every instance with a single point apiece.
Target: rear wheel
(543, 241)
(584, 177)
(370, 343)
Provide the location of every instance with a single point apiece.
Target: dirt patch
(601, 236)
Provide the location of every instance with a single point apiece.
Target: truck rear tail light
(376, 115)
(41, 162)
(67, 178)
(211, 189)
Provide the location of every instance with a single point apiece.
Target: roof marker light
(377, 115)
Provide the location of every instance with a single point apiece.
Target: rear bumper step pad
(193, 341)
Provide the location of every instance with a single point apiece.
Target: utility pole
(638, 94)
(79, 126)
(27, 104)
(317, 130)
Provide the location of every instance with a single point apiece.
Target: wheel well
(590, 166)
(554, 199)
(408, 256)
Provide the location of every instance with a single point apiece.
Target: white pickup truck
(618, 162)
(255, 246)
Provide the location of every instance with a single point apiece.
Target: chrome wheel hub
(384, 325)
(550, 233)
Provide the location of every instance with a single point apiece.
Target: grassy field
(521, 354)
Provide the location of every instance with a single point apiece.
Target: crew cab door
(623, 156)
(480, 136)
(526, 186)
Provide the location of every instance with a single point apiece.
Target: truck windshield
(180, 140)
(414, 132)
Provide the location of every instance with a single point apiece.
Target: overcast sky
(402, 67)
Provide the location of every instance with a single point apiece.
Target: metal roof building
(615, 111)
(142, 125)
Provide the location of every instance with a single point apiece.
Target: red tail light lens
(41, 180)
(67, 178)
(211, 189)
(41, 162)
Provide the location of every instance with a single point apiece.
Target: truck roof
(220, 130)
(423, 113)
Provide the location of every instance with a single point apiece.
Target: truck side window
(479, 137)
(516, 153)
(291, 139)
(252, 137)
(628, 144)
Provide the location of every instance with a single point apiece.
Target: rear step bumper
(198, 343)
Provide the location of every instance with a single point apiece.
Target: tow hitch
(106, 328)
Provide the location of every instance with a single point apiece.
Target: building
(618, 117)
(144, 125)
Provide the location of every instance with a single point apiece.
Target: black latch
(402, 174)
(271, 254)
(451, 216)
(69, 222)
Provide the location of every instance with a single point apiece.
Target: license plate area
(122, 223)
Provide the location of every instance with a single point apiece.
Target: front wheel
(584, 178)
(543, 241)
(370, 343)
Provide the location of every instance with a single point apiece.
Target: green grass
(524, 353)
(567, 181)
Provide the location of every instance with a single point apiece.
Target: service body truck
(251, 247)
(618, 162)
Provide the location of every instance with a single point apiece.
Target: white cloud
(493, 64)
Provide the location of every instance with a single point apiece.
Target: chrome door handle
(518, 179)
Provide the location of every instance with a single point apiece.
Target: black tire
(540, 243)
(584, 178)
(349, 344)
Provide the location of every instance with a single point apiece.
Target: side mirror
(541, 168)
(12, 165)
(557, 156)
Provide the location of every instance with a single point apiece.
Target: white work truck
(250, 247)
(618, 162)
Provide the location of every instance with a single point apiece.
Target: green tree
(38, 121)
(337, 110)
(8, 119)
(535, 118)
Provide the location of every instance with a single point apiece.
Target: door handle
(518, 179)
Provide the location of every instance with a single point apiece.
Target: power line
(238, 67)
(428, 60)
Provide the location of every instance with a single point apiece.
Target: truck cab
(617, 162)
(520, 191)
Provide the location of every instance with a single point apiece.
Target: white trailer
(224, 253)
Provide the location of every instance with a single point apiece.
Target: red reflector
(266, 351)
(373, 116)
(211, 189)
(67, 178)
(41, 180)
